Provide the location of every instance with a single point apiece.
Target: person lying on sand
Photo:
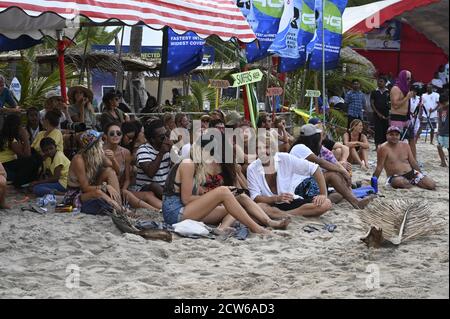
(3, 204)
(398, 161)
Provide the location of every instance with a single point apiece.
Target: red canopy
(205, 17)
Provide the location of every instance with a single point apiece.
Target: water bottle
(374, 184)
(51, 203)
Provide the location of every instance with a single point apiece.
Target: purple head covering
(403, 81)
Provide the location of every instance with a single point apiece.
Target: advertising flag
(264, 18)
(285, 44)
(307, 26)
(332, 13)
(181, 53)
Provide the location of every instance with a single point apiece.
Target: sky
(149, 38)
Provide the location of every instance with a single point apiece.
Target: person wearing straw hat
(81, 109)
(401, 167)
(91, 175)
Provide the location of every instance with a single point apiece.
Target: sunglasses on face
(115, 133)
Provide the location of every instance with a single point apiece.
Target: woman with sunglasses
(121, 160)
(111, 111)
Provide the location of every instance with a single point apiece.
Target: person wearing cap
(55, 102)
(91, 176)
(233, 119)
(111, 112)
(358, 144)
(309, 147)
(204, 121)
(272, 183)
(401, 167)
(340, 151)
(81, 109)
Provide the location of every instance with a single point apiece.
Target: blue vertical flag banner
(264, 18)
(307, 27)
(181, 53)
(333, 34)
(285, 44)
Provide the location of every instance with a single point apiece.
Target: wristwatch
(104, 187)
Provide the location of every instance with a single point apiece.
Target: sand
(36, 251)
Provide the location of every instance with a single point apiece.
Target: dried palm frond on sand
(126, 221)
(398, 221)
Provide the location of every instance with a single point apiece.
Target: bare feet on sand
(280, 224)
(366, 201)
(443, 164)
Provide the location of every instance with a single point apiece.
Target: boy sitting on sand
(400, 165)
(3, 188)
(56, 168)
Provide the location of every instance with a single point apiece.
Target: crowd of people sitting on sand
(218, 170)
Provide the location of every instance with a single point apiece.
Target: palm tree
(34, 88)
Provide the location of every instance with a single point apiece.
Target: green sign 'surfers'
(248, 77)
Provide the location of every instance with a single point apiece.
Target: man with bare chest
(398, 161)
(400, 96)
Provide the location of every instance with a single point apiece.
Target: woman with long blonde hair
(185, 196)
(91, 175)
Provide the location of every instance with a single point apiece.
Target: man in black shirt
(379, 100)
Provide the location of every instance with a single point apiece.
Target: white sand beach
(35, 251)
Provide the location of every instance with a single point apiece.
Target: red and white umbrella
(38, 18)
(204, 17)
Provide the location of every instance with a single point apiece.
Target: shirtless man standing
(400, 99)
(398, 161)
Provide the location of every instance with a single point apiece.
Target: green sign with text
(248, 77)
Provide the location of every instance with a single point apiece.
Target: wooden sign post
(245, 79)
(273, 93)
(219, 85)
(312, 94)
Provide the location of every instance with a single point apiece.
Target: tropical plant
(34, 88)
(87, 37)
(200, 93)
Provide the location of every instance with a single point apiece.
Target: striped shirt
(147, 153)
